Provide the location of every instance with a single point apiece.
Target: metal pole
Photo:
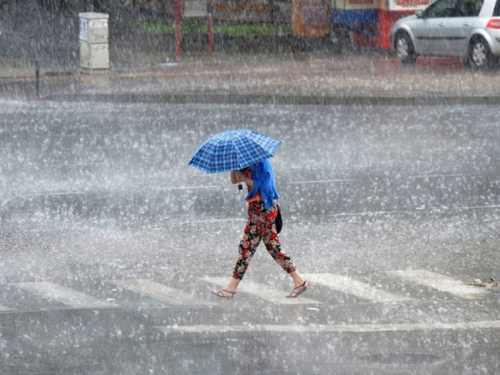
(210, 38)
(178, 28)
(272, 11)
(37, 72)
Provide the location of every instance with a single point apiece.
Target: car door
(423, 33)
(459, 27)
(430, 33)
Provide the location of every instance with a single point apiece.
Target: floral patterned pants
(260, 226)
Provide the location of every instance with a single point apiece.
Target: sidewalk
(306, 78)
(140, 71)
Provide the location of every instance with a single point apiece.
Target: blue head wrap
(263, 182)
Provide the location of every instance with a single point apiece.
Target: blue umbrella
(233, 150)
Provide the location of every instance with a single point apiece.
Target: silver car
(468, 29)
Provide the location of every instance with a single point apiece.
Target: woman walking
(262, 212)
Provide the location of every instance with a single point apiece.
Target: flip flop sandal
(295, 294)
(220, 293)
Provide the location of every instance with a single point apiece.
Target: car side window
(469, 8)
(478, 4)
(496, 11)
(442, 8)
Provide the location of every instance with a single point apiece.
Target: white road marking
(215, 221)
(263, 291)
(339, 328)
(64, 295)
(159, 292)
(367, 213)
(441, 283)
(52, 194)
(475, 207)
(317, 182)
(190, 188)
(77, 164)
(3, 308)
(441, 175)
(356, 288)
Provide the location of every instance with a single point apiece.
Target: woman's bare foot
(229, 291)
(298, 290)
(223, 293)
(300, 284)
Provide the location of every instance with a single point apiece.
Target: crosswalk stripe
(262, 291)
(356, 288)
(159, 292)
(339, 328)
(172, 296)
(64, 295)
(441, 283)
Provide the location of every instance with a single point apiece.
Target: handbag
(279, 220)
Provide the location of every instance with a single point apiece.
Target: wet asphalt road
(97, 192)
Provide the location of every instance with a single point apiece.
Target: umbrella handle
(240, 187)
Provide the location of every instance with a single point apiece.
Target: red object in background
(178, 29)
(386, 20)
(381, 31)
(310, 18)
(369, 40)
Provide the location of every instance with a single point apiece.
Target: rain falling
(114, 252)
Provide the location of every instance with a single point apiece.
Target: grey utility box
(94, 41)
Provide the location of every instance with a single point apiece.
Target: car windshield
(454, 8)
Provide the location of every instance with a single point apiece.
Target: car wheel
(480, 56)
(404, 49)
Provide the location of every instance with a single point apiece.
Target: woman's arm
(233, 177)
(237, 176)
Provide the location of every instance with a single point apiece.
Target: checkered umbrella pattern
(233, 150)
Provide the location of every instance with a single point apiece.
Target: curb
(233, 98)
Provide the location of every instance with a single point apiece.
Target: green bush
(197, 27)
